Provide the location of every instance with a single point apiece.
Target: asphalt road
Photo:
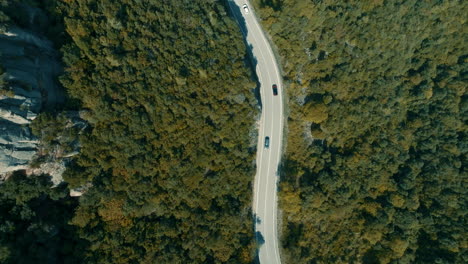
(271, 125)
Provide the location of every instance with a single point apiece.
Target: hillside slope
(375, 169)
(172, 143)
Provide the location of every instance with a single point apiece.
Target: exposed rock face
(55, 169)
(17, 146)
(30, 69)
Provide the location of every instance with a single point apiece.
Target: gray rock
(17, 146)
(31, 67)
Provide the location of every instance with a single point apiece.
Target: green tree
(380, 85)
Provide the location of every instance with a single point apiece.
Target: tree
(379, 86)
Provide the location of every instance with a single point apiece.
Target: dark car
(267, 142)
(275, 89)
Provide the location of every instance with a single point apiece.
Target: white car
(246, 8)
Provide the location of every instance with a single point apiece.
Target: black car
(267, 142)
(275, 89)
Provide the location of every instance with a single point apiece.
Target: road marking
(276, 248)
(261, 129)
(265, 218)
(259, 140)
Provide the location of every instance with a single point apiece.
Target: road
(271, 124)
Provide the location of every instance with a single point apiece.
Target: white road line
(264, 95)
(265, 218)
(280, 142)
(257, 183)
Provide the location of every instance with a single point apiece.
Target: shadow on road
(251, 60)
(236, 13)
(260, 241)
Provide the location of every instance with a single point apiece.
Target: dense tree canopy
(375, 169)
(34, 215)
(34, 222)
(170, 152)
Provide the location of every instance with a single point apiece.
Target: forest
(374, 169)
(168, 93)
(375, 163)
(170, 155)
(34, 222)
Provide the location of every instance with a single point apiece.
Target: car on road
(246, 8)
(267, 142)
(275, 89)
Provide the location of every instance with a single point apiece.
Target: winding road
(271, 125)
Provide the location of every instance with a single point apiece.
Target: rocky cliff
(29, 70)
